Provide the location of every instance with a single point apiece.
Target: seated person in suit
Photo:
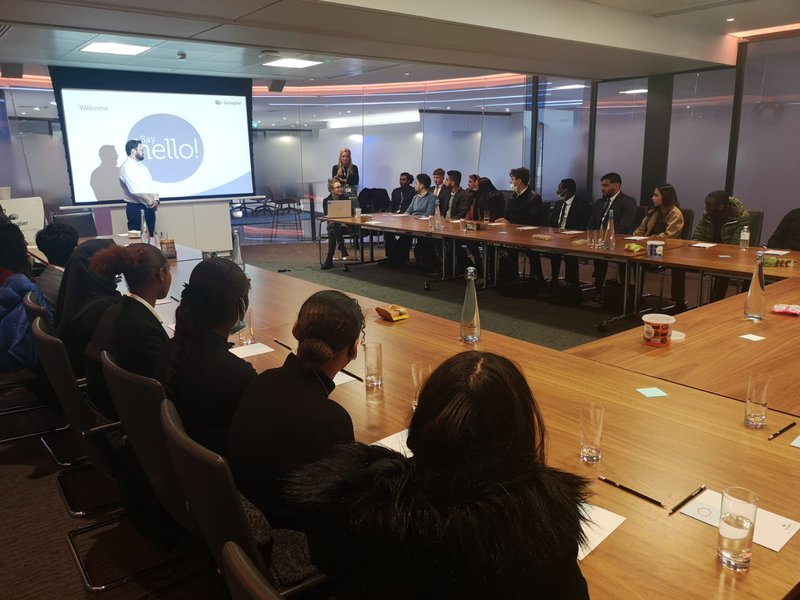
(665, 220)
(570, 212)
(403, 195)
(624, 208)
(336, 231)
(474, 513)
(486, 204)
(441, 191)
(423, 205)
(523, 209)
(722, 223)
(130, 330)
(83, 298)
(285, 419)
(56, 241)
(16, 339)
(787, 235)
(458, 203)
(199, 373)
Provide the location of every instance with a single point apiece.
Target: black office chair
(756, 225)
(219, 510)
(83, 222)
(243, 578)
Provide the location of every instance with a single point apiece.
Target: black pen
(691, 496)
(780, 431)
(632, 491)
(176, 300)
(353, 375)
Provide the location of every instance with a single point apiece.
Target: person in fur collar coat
(474, 513)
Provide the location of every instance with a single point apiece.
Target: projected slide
(195, 145)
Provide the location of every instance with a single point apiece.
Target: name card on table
(251, 350)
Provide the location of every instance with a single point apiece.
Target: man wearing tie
(441, 191)
(570, 212)
(624, 208)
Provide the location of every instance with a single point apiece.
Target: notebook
(340, 208)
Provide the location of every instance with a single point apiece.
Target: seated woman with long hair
(130, 330)
(336, 231)
(199, 373)
(665, 220)
(285, 419)
(474, 513)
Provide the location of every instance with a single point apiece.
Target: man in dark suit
(403, 195)
(441, 191)
(624, 208)
(523, 209)
(570, 212)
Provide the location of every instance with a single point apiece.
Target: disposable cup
(656, 330)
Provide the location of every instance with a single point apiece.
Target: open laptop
(340, 208)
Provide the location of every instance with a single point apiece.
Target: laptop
(340, 208)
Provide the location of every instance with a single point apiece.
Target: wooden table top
(714, 357)
(665, 447)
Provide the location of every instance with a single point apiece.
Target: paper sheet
(602, 523)
(342, 378)
(796, 442)
(636, 237)
(776, 252)
(251, 350)
(652, 392)
(526, 228)
(570, 232)
(772, 531)
(703, 245)
(397, 442)
(752, 337)
(164, 301)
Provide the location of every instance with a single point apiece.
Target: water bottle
(610, 239)
(437, 219)
(237, 250)
(755, 303)
(470, 318)
(143, 227)
(744, 239)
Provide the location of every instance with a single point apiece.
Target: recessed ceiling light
(508, 110)
(406, 74)
(274, 124)
(730, 20)
(292, 63)
(115, 48)
(576, 86)
(36, 108)
(53, 103)
(284, 118)
(448, 108)
(634, 91)
(313, 115)
(23, 113)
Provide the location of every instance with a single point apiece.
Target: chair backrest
(756, 223)
(641, 211)
(688, 223)
(244, 580)
(59, 371)
(211, 493)
(83, 222)
(138, 402)
(33, 309)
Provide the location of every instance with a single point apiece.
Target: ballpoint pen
(691, 496)
(632, 491)
(780, 431)
(346, 372)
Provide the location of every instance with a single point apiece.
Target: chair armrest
(115, 426)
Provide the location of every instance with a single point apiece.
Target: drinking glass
(420, 371)
(755, 405)
(592, 414)
(373, 360)
(736, 526)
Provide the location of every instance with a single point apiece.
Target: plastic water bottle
(470, 318)
(755, 303)
(744, 239)
(143, 228)
(610, 239)
(237, 250)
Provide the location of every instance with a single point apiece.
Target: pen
(632, 491)
(176, 300)
(346, 372)
(780, 431)
(691, 496)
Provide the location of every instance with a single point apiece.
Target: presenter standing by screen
(138, 188)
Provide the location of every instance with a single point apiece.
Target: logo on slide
(173, 148)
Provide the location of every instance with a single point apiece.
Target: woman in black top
(130, 330)
(345, 171)
(285, 419)
(199, 373)
(475, 513)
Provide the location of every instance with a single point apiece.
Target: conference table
(714, 356)
(664, 447)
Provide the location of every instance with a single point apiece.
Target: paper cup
(657, 329)
(655, 248)
(134, 234)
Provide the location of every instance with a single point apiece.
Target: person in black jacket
(523, 209)
(130, 330)
(200, 374)
(569, 212)
(346, 172)
(403, 195)
(285, 419)
(787, 235)
(475, 513)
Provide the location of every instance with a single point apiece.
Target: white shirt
(144, 302)
(137, 184)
